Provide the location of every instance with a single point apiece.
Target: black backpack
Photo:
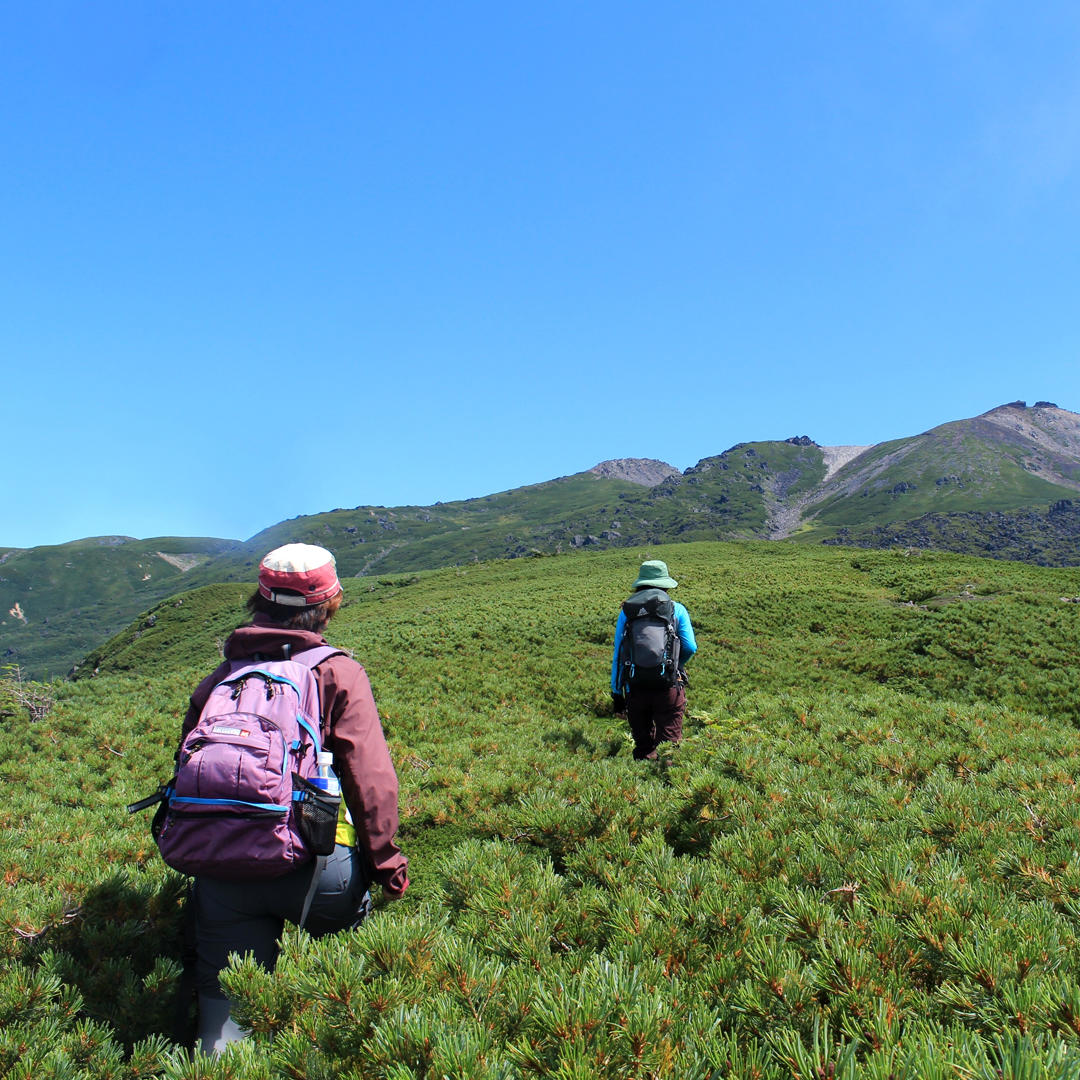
(649, 653)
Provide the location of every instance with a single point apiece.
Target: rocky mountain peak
(644, 471)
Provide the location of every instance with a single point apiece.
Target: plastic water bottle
(325, 777)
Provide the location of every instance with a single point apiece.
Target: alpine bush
(861, 861)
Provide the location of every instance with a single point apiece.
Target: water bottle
(325, 777)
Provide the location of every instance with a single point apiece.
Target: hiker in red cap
(298, 593)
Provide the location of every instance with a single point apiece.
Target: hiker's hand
(618, 703)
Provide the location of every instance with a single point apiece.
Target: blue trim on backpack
(268, 807)
(303, 721)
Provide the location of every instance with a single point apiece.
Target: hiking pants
(249, 917)
(655, 716)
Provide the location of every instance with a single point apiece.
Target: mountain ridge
(1001, 483)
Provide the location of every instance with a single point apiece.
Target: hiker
(653, 641)
(298, 593)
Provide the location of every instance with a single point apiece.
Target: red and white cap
(298, 575)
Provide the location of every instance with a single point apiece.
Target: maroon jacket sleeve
(353, 732)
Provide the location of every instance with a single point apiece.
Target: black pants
(248, 917)
(655, 716)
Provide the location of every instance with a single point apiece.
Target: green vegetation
(370, 540)
(21, 695)
(57, 602)
(731, 495)
(861, 862)
(1046, 537)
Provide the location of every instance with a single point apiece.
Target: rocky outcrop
(644, 471)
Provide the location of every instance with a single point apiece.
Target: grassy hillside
(1011, 460)
(733, 495)
(860, 863)
(725, 495)
(57, 601)
(369, 540)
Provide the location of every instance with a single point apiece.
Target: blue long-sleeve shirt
(683, 628)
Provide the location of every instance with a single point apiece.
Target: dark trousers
(249, 917)
(655, 716)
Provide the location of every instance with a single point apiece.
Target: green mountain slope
(734, 495)
(546, 517)
(1045, 538)
(1014, 461)
(55, 600)
(1012, 458)
(861, 862)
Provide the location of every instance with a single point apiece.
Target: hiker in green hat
(653, 641)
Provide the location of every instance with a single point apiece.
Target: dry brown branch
(36, 698)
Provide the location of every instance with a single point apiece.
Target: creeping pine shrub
(861, 861)
(43, 1032)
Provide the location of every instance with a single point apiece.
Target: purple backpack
(241, 803)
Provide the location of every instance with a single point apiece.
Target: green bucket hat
(654, 575)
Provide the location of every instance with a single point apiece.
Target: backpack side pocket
(316, 813)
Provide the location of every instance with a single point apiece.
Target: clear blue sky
(263, 259)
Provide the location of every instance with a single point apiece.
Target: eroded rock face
(644, 471)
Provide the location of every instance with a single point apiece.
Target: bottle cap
(325, 757)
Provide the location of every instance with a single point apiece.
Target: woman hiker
(298, 593)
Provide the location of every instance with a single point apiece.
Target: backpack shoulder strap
(312, 658)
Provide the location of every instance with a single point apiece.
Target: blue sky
(265, 259)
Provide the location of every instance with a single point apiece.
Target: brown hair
(313, 617)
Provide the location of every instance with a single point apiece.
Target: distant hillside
(998, 484)
(57, 601)
(1010, 460)
(735, 495)
(541, 518)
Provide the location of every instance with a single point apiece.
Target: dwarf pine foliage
(860, 863)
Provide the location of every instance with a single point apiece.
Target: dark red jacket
(350, 730)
